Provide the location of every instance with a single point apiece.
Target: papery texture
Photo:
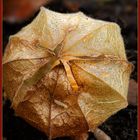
(65, 74)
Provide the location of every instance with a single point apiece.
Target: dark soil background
(121, 126)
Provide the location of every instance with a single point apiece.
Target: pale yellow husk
(66, 74)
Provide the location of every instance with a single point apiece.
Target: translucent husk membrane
(66, 74)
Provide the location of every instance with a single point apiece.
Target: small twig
(100, 135)
(132, 92)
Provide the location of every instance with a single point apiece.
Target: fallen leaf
(66, 74)
(20, 10)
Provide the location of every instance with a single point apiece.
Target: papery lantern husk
(66, 74)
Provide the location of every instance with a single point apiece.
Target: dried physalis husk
(66, 74)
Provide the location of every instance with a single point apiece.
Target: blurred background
(18, 13)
